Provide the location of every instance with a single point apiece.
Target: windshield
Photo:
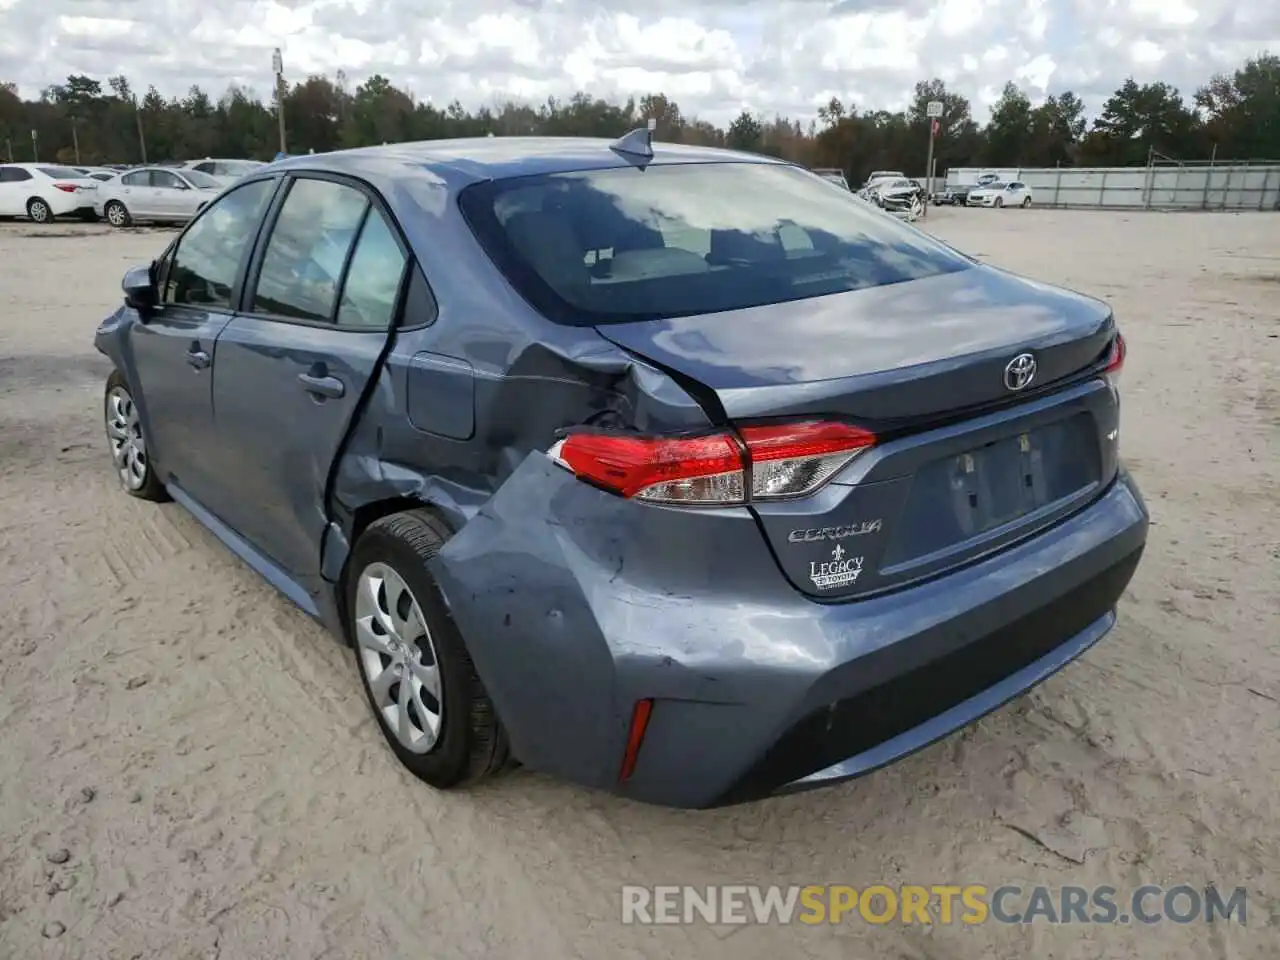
(199, 179)
(239, 168)
(62, 173)
(628, 244)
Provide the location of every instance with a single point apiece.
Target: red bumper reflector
(635, 736)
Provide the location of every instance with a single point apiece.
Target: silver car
(154, 193)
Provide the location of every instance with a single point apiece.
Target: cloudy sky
(714, 57)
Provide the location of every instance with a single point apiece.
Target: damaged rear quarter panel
(460, 406)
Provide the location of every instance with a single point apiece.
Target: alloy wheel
(398, 658)
(124, 431)
(115, 215)
(39, 211)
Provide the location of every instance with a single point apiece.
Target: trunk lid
(907, 352)
(966, 465)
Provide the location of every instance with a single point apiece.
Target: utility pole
(75, 141)
(8, 148)
(277, 65)
(137, 117)
(35, 146)
(933, 110)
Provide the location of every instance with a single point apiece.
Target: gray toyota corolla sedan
(663, 469)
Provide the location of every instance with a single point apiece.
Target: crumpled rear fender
(574, 603)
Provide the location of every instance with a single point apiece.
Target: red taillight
(1115, 359)
(786, 460)
(656, 468)
(66, 187)
(635, 736)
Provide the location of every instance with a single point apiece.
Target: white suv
(42, 191)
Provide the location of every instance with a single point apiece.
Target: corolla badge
(815, 534)
(1019, 372)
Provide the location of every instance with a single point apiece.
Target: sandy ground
(188, 768)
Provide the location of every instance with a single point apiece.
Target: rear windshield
(62, 173)
(628, 244)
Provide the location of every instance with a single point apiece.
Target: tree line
(1233, 116)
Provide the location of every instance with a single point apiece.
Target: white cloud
(714, 57)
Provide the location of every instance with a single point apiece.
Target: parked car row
(42, 192)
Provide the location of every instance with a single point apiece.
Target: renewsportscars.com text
(940, 903)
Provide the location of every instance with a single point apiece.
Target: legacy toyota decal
(836, 572)
(815, 534)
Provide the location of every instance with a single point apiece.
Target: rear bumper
(564, 598)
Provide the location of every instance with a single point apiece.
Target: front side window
(307, 250)
(627, 244)
(167, 180)
(203, 269)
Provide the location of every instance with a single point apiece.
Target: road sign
(934, 109)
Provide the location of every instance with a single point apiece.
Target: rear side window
(373, 279)
(141, 178)
(205, 265)
(13, 175)
(628, 244)
(307, 250)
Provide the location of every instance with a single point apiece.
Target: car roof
(497, 158)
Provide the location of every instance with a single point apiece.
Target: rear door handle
(322, 386)
(198, 359)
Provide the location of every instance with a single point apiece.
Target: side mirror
(139, 289)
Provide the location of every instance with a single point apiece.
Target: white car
(1000, 194)
(225, 171)
(43, 191)
(155, 193)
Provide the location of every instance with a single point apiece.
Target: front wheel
(1026, 203)
(39, 211)
(418, 677)
(999, 202)
(915, 209)
(117, 214)
(128, 445)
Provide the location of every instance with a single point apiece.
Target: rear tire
(403, 636)
(117, 214)
(39, 211)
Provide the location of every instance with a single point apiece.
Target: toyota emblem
(1019, 372)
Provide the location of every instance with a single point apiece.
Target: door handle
(322, 386)
(198, 359)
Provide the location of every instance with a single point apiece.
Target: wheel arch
(342, 534)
